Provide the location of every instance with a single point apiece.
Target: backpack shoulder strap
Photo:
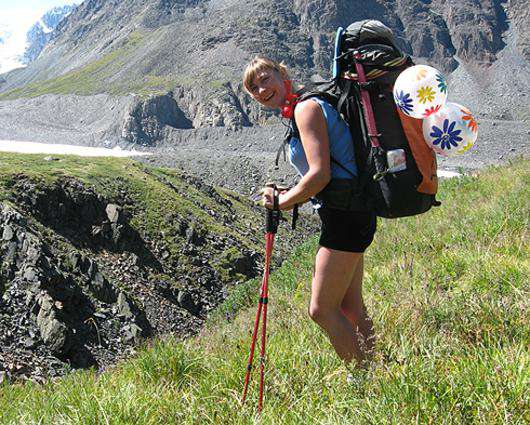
(321, 94)
(292, 131)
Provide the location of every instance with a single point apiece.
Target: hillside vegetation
(448, 292)
(98, 254)
(94, 76)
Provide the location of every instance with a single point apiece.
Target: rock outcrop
(518, 13)
(81, 285)
(55, 304)
(476, 28)
(146, 120)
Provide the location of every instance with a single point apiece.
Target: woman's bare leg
(334, 272)
(354, 309)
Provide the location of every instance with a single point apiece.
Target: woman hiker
(336, 291)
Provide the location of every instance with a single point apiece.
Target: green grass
(448, 292)
(98, 76)
(154, 205)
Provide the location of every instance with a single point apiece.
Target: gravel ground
(245, 160)
(67, 119)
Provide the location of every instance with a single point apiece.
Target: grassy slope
(153, 202)
(118, 72)
(97, 76)
(448, 291)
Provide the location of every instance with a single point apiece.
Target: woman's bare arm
(312, 127)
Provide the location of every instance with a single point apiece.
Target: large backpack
(397, 170)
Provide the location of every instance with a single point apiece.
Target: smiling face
(268, 88)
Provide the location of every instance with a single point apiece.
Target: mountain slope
(450, 321)
(202, 46)
(99, 254)
(41, 32)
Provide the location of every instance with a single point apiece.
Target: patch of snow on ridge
(44, 27)
(58, 149)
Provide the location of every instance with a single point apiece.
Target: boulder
(124, 306)
(113, 212)
(185, 300)
(53, 332)
(8, 233)
(132, 333)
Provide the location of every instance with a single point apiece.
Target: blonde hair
(259, 63)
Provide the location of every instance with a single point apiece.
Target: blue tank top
(340, 145)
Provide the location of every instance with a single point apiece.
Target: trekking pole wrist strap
(275, 199)
(274, 215)
(275, 196)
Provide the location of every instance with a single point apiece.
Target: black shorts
(350, 231)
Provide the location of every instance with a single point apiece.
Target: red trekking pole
(273, 219)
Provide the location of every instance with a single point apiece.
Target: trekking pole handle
(274, 215)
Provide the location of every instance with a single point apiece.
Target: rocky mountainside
(97, 255)
(193, 51)
(166, 75)
(42, 31)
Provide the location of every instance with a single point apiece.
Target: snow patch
(58, 149)
(45, 28)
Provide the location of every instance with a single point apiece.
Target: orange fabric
(423, 155)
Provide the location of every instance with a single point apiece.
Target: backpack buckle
(379, 176)
(366, 84)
